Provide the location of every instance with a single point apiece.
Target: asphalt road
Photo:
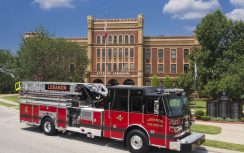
(16, 137)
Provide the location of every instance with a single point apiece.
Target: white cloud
(48, 4)
(190, 28)
(190, 9)
(236, 14)
(237, 3)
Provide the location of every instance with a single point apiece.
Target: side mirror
(156, 106)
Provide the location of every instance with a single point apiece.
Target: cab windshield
(177, 106)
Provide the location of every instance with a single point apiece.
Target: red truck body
(140, 116)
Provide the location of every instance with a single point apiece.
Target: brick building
(131, 57)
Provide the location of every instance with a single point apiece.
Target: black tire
(48, 126)
(137, 141)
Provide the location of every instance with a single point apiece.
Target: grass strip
(7, 105)
(11, 98)
(207, 129)
(224, 145)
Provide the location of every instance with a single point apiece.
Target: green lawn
(207, 129)
(11, 98)
(201, 105)
(224, 145)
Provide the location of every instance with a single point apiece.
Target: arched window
(109, 53)
(131, 39)
(103, 40)
(115, 39)
(98, 53)
(98, 39)
(120, 39)
(109, 39)
(126, 39)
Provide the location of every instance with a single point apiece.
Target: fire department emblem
(120, 118)
(26, 109)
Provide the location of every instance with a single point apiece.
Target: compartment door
(119, 113)
(26, 112)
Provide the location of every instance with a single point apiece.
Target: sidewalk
(233, 133)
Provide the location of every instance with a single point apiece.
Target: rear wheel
(137, 141)
(48, 126)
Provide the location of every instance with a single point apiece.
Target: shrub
(217, 119)
(236, 119)
(199, 114)
(232, 120)
(242, 119)
(205, 118)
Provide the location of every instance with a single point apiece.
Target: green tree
(185, 81)
(167, 82)
(45, 58)
(6, 71)
(221, 52)
(155, 81)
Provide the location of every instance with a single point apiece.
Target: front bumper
(188, 143)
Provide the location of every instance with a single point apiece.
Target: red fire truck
(140, 116)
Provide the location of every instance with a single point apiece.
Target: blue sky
(67, 18)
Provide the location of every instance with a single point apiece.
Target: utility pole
(195, 85)
(105, 36)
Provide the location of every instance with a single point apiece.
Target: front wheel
(137, 141)
(48, 126)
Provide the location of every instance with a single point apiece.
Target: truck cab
(149, 116)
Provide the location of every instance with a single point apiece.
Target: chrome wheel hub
(47, 127)
(136, 142)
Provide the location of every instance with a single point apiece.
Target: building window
(115, 66)
(115, 52)
(160, 53)
(120, 66)
(186, 53)
(98, 53)
(126, 53)
(109, 53)
(186, 68)
(126, 39)
(115, 39)
(98, 66)
(109, 66)
(148, 54)
(132, 53)
(109, 39)
(131, 39)
(120, 53)
(132, 66)
(103, 53)
(173, 53)
(126, 66)
(160, 68)
(173, 68)
(103, 40)
(148, 68)
(103, 67)
(98, 39)
(72, 68)
(120, 39)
